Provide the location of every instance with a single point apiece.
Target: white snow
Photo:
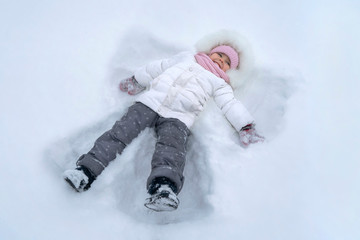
(60, 62)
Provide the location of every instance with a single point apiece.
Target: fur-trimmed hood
(239, 75)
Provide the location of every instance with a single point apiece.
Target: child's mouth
(218, 64)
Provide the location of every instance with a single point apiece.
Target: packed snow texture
(61, 63)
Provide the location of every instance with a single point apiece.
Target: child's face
(222, 60)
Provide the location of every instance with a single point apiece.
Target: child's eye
(228, 63)
(220, 55)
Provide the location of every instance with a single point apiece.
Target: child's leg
(169, 156)
(116, 139)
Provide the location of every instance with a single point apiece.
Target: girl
(175, 91)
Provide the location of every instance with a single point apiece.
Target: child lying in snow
(177, 90)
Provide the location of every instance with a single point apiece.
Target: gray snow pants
(169, 156)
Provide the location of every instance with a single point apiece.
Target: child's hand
(131, 86)
(249, 135)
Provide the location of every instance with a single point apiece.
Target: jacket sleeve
(149, 72)
(233, 109)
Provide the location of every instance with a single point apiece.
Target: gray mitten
(131, 86)
(249, 135)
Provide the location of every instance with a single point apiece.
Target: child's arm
(144, 75)
(152, 70)
(233, 109)
(237, 115)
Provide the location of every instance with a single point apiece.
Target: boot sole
(160, 204)
(71, 184)
(160, 207)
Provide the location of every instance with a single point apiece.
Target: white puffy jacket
(179, 87)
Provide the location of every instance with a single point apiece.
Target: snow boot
(163, 196)
(80, 178)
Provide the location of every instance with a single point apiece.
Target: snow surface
(60, 62)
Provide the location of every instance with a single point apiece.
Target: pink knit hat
(230, 52)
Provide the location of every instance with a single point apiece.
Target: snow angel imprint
(172, 93)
